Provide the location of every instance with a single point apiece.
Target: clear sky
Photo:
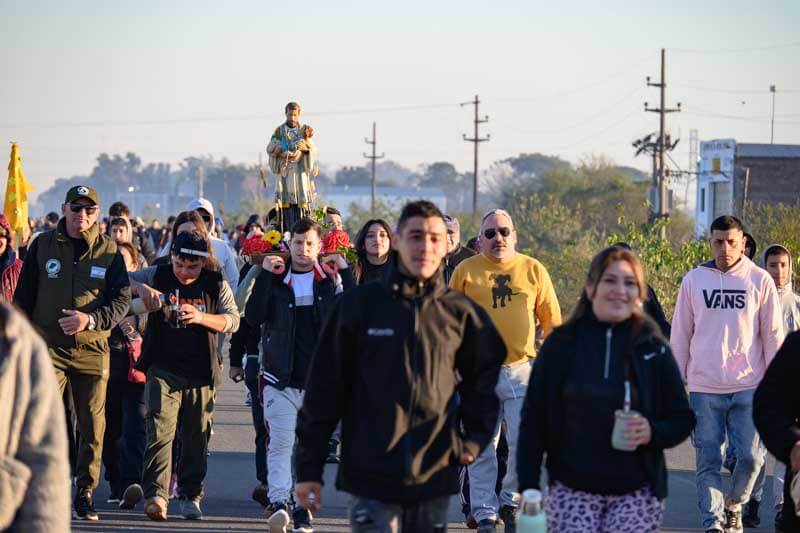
(169, 79)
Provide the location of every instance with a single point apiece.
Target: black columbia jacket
(400, 362)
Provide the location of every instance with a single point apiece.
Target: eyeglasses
(491, 233)
(77, 208)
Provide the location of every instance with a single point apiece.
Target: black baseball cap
(190, 245)
(82, 191)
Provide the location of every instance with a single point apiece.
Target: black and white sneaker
(301, 521)
(84, 505)
(277, 517)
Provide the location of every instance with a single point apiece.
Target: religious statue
(293, 160)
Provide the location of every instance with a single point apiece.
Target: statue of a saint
(292, 158)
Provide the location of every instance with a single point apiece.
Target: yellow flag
(17, 189)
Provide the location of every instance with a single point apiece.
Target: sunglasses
(77, 208)
(491, 233)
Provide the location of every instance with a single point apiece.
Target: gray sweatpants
(512, 385)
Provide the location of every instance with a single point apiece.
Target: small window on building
(703, 200)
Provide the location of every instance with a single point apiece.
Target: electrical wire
(733, 91)
(735, 50)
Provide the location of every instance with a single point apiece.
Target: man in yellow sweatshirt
(516, 291)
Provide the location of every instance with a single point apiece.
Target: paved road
(231, 478)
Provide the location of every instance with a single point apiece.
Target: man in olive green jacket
(74, 288)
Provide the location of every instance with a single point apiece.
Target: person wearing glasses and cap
(516, 291)
(74, 288)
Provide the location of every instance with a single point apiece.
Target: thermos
(531, 518)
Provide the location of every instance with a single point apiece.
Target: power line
(233, 118)
(735, 50)
(583, 122)
(731, 91)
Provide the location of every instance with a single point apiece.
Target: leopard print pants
(573, 511)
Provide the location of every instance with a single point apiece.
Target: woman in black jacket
(373, 249)
(607, 358)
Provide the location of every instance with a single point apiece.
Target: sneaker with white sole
(277, 517)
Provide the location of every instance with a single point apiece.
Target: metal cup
(618, 440)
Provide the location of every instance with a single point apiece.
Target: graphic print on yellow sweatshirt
(513, 293)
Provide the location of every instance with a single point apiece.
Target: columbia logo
(380, 332)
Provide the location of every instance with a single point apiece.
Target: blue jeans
(718, 414)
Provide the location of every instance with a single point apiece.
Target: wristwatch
(92, 323)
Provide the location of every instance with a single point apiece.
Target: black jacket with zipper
(400, 362)
(561, 367)
(272, 305)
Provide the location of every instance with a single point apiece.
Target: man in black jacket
(455, 252)
(776, 415)
(291, 301)
(400, 363)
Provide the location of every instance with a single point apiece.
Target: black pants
(789, 520)
(125, 437)
(251, 369)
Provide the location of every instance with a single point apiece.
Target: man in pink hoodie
(726, 329)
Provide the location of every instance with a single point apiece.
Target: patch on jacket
(380, 332)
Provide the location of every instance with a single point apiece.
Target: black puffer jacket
(388, 366)
(582, 357)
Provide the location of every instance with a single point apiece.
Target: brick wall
(772, 181)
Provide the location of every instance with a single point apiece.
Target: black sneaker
(779, 521)
(733, 520)
(277, 517)
(301, 521)
(509, 516)
(132, 495)
(260, 495)
(750, 517)
(487, 525)
(84, 505)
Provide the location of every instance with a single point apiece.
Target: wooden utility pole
(662, 208)
(476, 139)
(200, 182)
(373, 157)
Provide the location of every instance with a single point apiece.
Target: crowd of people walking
(423, 367)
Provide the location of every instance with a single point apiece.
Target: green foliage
(384, 209)
(665, 261)
(777, 224)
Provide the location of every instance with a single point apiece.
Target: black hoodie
(569, 408)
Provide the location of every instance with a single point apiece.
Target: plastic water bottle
(531, 517)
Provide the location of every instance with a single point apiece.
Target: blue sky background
(172, 79)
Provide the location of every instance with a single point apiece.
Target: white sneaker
(190, 509)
